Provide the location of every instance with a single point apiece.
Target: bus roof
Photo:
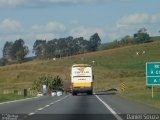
(81, 65)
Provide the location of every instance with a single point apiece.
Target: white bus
(81, 79)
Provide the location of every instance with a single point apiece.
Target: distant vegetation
(16, 52)
(138, 38)
(56, 48)
(52, 83)
(62, 47)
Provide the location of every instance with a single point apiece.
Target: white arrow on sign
(155, 80)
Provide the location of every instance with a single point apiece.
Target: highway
(99, 106)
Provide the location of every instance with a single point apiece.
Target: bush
(52, 83)
(3, 62)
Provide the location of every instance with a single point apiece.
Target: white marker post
(152, 92)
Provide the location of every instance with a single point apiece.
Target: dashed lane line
(40, 109)
(32, 113)
(47, 105)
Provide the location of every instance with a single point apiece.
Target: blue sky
(48, 19)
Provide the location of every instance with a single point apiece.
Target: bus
(81, 79)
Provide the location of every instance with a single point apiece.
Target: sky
(48, 19)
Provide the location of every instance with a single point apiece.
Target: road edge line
(17, 100)
(109, 108)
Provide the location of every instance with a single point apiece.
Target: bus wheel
(90, 93)
(74, 93)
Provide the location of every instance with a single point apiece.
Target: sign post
(153, 74)
(152, 92)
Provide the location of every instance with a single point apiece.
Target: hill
(110, 68)
(154, 38)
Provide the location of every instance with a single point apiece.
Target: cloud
(138, 19)
(49, 27)
(12, 3)
(12, 30)
(79, 2)
(9, 26)
(45, 36)
(86, 32)
(50, 3)
(75, 2)
(74, 22)
(65, 1)
(28, 36)
(42, 3)
(130, 24)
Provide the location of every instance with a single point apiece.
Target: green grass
(155, 38)
(10, 97)
(111, 67)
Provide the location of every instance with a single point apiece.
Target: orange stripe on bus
(82, 84)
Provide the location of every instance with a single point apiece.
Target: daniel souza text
(143, 116)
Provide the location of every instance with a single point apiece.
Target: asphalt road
(81, 107)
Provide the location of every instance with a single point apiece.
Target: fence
(17, 92)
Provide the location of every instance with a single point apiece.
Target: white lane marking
(17, 100)
(40, 109)
(31, 113)
(51, 103)
(59, 100)
(47, 106)
(109, 108)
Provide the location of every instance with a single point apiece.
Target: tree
(52, 83)
(19, 50)
(62, 45)
(39, 48)
(141, 36)
(50, 49)
(73, 47)
(142, 30)
(126, 40)
(15, 51)
(20, 55)
(3, 61)
(94, 42)
(65, 46)
(44, 79)
(7, 50)
(56, 84)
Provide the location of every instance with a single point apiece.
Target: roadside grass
(143, 96)
(111, 67)
(11, 97)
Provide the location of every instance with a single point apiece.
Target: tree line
(68, 46)
(138, 38)
(43, 49)
(63, 47)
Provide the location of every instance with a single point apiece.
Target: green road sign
(153, 73)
